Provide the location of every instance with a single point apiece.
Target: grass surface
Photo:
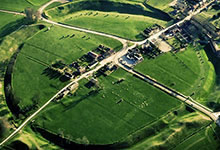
(20, 5)
(42, 50)
(6, 19)
(15, 5)
(90, 117)
(112, 17)
(204, 140)
(183, 72)
(38, 2)
(162, 5)
(178, 127)
(113, 23)
(8, 46)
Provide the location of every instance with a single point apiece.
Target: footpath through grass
(86, 117)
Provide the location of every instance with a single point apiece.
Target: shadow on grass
(75, 103)
(214, 104)
(52, 74)
(108, 6)
(11, 27)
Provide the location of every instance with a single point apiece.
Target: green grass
(115, 23)
(20, 5)
(14, 5)
(91, 117)
(8, 46)
(178, 127)
(182, 72)
(203, 140)
(38, 2)
(29, 77)
(110, 17)
(6, 19)
(162, 5)
(9, 23)
(29, 82)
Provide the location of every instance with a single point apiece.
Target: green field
(20, 5)
(203, 140)
(6, 19)
(38, 2)
(162, 5)
(92, 116)
(41, 51)
(14, 5)
(183, 72)
(177, 128)
(8, 46)
(110, 17)
(9, 23)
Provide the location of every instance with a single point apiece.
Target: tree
(32, 15)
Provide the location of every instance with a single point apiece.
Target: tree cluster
(32, 15)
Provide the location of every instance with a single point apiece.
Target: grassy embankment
(9, 42)
(206, 139)
(125, 19)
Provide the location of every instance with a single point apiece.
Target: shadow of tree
(52, 74)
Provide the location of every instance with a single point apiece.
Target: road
(183, 98)
(113, 58)
(12, 12)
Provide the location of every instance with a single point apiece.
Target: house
(68, 75)
(93, 55)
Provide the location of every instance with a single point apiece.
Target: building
(215, 48)
(93, 55)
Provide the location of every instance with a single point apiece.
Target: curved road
(114, 58)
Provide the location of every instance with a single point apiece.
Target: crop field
(41, 51)
(203, 140)
(184, 71)
(113, 108)
(110, 17)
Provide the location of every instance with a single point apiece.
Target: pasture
(124, 107)
(32, 82)
(183, 71)
(15, 5)
(162, 5)
(203, 140)
(20, 5)
(9, 23)
(125, 19)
